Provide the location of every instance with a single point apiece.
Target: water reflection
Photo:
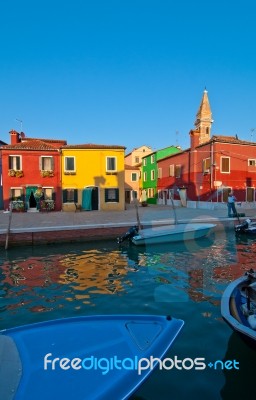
(236, 386)
(65, 279)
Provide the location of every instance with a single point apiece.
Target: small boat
(238, 306)
(165, 234)
(171, 233)
(246, 227)
(91, 357)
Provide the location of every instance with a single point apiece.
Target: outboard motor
(128, 235)
(242, 227)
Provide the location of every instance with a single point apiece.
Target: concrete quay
(43, 228)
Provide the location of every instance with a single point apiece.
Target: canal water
(185, 280)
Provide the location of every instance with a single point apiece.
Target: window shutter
(75, 196)
(18, 163)
(64, 195)
(117, 195)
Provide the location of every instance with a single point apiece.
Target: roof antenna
(19, 120)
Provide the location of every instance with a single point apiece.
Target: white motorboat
(171, 233)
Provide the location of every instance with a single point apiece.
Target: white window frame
(160, 173)
(152, 158)
(65, 164)
(12, 157)
(253, 162)
(41, 166)
(152, 175)
(108, 169)
(172, 170)
(144, 176)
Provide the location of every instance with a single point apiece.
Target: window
(171, 170)
(46, 163)
(111, 164)
(134, 177)
(15, 163)
(111, 195)
(206, 165)
(137, 160)
(48, 193)
(144, 176)
(16, 194)
(152, 158)
(177, 171)
(69, 164)
(251, 162)
(225, 164)
(70, 196)
(153, 175)
(144, 162)
(151, 192)
(159, 172)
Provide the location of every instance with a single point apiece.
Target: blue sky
(126, 72)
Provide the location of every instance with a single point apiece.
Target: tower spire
(204, 119)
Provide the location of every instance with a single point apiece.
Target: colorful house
(132, 183)
(151, 172)
(134, 158)
(92, 177)
(31, 173)
(133, 163)
(210, 167)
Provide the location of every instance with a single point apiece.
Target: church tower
(204, 119)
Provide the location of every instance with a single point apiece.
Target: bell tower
(204, 119)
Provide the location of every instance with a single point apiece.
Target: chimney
(15, 137)
(194, 139)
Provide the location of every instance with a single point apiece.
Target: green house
(150, 172)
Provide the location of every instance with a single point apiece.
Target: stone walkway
(148, 216)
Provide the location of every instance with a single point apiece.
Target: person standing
(231, 205)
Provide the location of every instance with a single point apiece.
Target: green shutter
(75, 196)
(64, 195)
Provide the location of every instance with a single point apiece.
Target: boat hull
(172, 233)
(234, 307)
(27, 356)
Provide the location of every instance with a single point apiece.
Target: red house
(210, 167)
(31, 173)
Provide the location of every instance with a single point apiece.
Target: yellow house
(92, 177)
